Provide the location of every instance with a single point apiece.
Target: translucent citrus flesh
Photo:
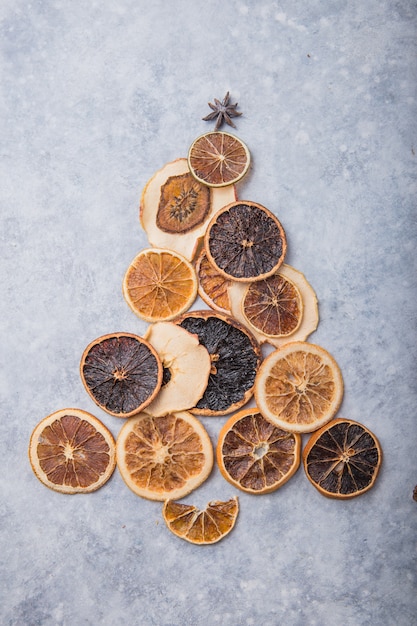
(273, 306)
(342, 459)
(256, 456)
(218, 159)
(164, 457)
(159, 285)
(299, 387)
(72, 452)
(201, 527)
(213, 287)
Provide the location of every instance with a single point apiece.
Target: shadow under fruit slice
(235, 358)
(121, 372)
(212, 286)
(274, 306)
(218, 159)
(342, 459)
(245, 241)
(159, 285)
(201, 527)
(299, 387)
(256, 456)
(71, 451)
(164, 457)
(175, 208)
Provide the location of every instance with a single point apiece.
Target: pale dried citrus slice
(212, 286)
(175, 208)
(270, 297)
(201, 527)
(71, 451)
(165, 457)
(299, 387)
(256, 456)
(159, 285)
(342, 459)
(235, 358)
(245, 241)
(218, 159)
(121, 372)
(186, 366)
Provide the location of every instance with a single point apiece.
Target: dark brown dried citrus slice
(235, 358)
(164, 457)
(310, 316)
(121, 372)
(175, 208)
(299, 387)
(245, 241)
(218, 159)
(159, 285)
(342, 459)
(71, 451)
(256, 456)
(212, 286)
(201, 527)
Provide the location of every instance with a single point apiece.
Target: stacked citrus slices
(192, 365)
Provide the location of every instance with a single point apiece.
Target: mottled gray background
(95, 97)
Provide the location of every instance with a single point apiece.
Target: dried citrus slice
(212, 286)
(175, 208)
(299, 387)
(121, 372)
(186, 366)
(235, 358)
(270, 294)
(159, 285)
(245, 241)
(165, 457)
(256, 456)
(218, 159)
(342, 459)
(71, 451)
(201, 527)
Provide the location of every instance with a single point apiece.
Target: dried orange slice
(235, 358)
(256, 456)
(245, 241)
(212, 286)
(201, 527)
(186, 366)
(175, 208)
(299, 387)
(342, 459)
(121, 372)
(159, 285)
(166, 457)
(71, 451)
(218, 159)
(275, 312)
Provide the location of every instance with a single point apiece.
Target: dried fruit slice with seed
(121, 372)
(165, 457)
(71, 451)
(212, 286)
(245, 241)
(175, 208)
(218, 159)
(159, 285)
(342, 459)
(265, 291)
(186, 366)
(256, 456)
(201, 527)
(299, 387)
(235, 358)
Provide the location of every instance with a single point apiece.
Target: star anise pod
(222, 112)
